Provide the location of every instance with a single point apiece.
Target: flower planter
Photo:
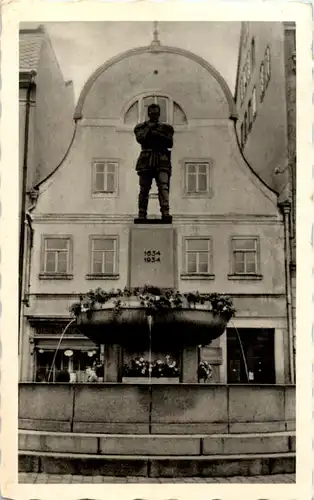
(129, 325)
(152, 380)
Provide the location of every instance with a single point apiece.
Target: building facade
(229, 230)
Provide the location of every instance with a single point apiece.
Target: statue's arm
(166, 135)
(141, 132)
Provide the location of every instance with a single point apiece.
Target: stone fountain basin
(172, 326)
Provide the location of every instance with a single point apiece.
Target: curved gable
(205, 95)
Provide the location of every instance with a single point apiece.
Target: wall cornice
(125, 219)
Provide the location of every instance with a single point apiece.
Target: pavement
(67, 479)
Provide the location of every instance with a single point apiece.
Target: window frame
(250, 115)
(98, 193)
(115, 274)
(256, 275)
(44, 274)
(198, 161)
(185, 274)
(170, 103)
(254, 103)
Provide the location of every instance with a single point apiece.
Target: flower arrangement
(154, 299)
(205, 371)
(139, 367)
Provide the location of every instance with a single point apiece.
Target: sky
(82, 47)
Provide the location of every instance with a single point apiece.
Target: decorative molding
(127, 219)
(245, 277)
(55, 276)
(102, 276)
(78, 114)
(195, 276)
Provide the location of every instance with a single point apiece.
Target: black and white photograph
(157, 277)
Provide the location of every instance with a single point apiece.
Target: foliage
(205, 370)
(153, 300)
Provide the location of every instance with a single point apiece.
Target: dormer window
(170, 111)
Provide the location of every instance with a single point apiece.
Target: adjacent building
(266, 127)
(46, 104)
(229, 227)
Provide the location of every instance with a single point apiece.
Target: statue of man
(154, 161)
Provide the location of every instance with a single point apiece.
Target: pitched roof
(30, 47)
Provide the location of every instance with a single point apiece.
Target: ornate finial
(155, 42)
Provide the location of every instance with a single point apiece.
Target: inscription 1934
(152, 256)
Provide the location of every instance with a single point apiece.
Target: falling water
(58, 346)
(243, 354)
(150, 322)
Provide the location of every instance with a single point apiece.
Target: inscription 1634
(152, 256)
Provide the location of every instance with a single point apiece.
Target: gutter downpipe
(286, 209)
(24, 187)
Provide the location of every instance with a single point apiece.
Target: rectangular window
(104, 256)
(197, 177)
(197, 255)
(245, 256)
(56, 255)
(105, 176)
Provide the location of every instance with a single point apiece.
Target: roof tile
(30, 46)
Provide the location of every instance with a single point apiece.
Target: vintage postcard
(156, 187)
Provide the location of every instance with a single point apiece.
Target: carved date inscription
(152, 256)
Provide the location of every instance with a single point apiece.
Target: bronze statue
(154, 161)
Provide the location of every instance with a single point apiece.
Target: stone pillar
(223, 366)
(111, 363)
(189, 365)
(281, 354)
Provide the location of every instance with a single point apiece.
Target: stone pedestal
(152, 259)
(189, 365)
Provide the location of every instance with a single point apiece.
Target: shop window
(170, 111)
(197, 177)
(198, 255)
(245, 256)
(105, 176)
(73, 362)
(250, 356)
(104, 261)
(56, 257)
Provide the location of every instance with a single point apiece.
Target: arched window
(245, 127)
(170, 111)
(262, 83)
(253, 53)
(254, 103)
(242, 90)
(250, 115)
(267, 65)
(248, 67)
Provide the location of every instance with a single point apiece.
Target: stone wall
(160, 409)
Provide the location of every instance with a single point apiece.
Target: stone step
(157, 466)
(156, 445)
